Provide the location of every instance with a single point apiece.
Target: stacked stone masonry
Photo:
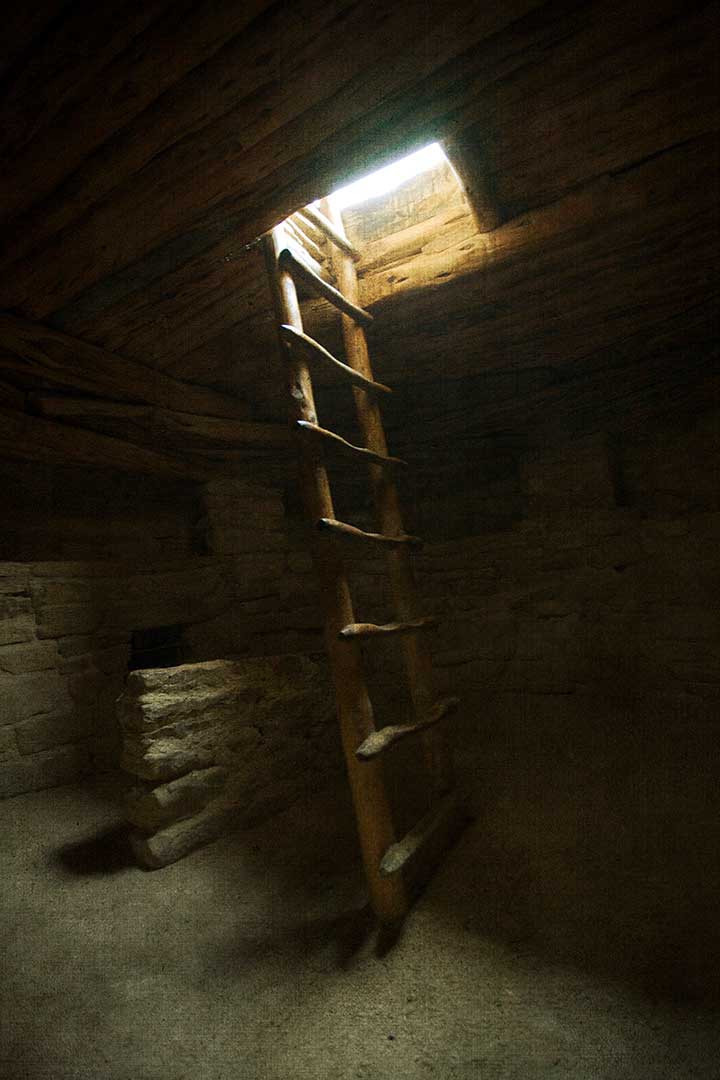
(599, 588)
(221, 743)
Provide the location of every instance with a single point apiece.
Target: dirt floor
(255, 958)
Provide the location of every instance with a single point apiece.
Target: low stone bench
(222, 745)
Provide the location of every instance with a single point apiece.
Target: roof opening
(389, 177)
(388, 219)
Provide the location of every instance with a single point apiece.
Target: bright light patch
(389, 177)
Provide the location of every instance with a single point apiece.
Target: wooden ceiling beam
(22, 25)
(268, 154)
(201, 286)
(618, 83)
(56, 74)
(266, 59)
(105, 66)
(542, 290)
(33, 355)
(194, 302)
(164, 429)
(31, 438)
(592, 267)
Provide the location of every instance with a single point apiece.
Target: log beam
(32, 354)
(169, 429)
(30, 438)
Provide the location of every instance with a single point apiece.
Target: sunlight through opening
(389, 177)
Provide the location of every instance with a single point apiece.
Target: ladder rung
(303, 255)
(388, 736)
(349, 532)
(305, 241)
(348, 449)
(317, 351)
(325, 225)
(366, 630)
(437, 820)
(288, 262)
(303, 221)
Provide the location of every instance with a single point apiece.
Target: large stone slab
(52, 729)
(222, 743)
(25, 656)
(24, 696)
(17, 621)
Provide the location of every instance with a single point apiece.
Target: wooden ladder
(395, 868)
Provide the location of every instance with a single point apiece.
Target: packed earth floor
(255, 959)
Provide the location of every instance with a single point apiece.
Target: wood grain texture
(388, 736)
(355, 710)
(440, 819)
(347, 449)
(251, 183)
(326, 226)
(609, 233)
(312, 281)
(34, 353)
(101, 70)
(341, 530)
(165, 428)
(175, 304)
(317, 352)
(389, 520)
(30, 438)
(79, 43)
(379, 630)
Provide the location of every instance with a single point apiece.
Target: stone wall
(77, 514)
(65, 636)
(582, 623)
(584, 640)
(66, 627)
(603, 590)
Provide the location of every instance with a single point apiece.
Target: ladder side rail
(335, 235)
(416, 653)
(317, 285)
(355, 712)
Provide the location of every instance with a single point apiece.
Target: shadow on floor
(108, 852)
(548, 874)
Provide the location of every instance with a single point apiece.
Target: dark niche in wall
(156, 647)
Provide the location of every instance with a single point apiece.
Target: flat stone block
(24, 696)
(227, 737)
(23, 657)
(62, 765)
(76, 645)
(16, 777)
(14, 579)
(8, 745)
(63, 620)
(42, 732)
(17, 620)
